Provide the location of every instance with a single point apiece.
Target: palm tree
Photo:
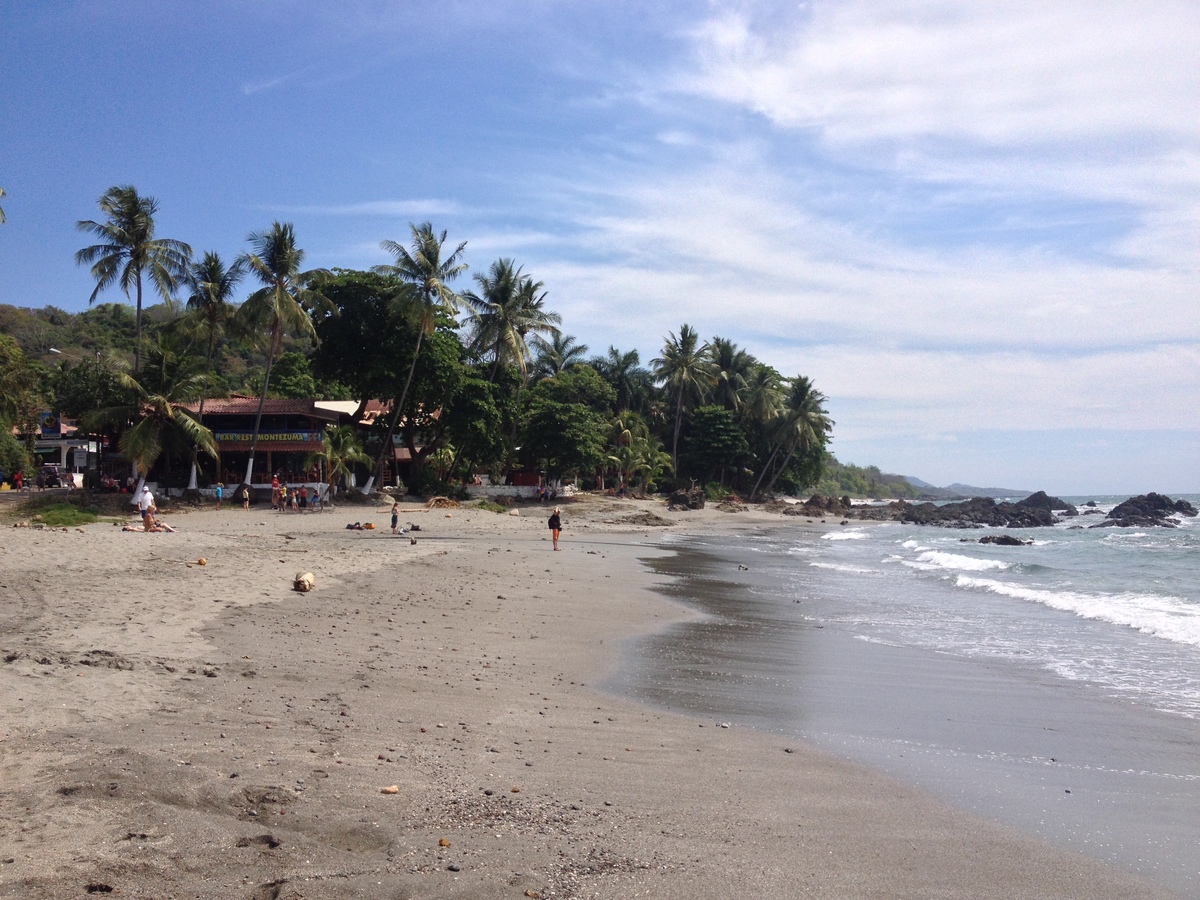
(427, 276)
(685, 371)
(210, 311)
(162, 421)
(557, 354)
(627, 377)
(340, 447)
(2, 219)
(128, 248)
(804, 425)
(731, 366)
(508, 308)
(281, 306)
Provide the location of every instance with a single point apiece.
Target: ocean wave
(1172, 618)
(934, 560)
(844, 536)
(838, 567)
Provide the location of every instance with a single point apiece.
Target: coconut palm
(804, 425)
(340, 447)
(128, 248)
(161, 419)
(210, 311)
(509, 307)
(2, 219)
(685, 371)
(556, 354)
(426, 277)
(731, 367)
(281, 306)
(627, 377)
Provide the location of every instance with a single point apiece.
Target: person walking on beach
(246, 497)
(220, 491)
(395, 516)
(555, 524)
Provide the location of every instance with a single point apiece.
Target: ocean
(1054, 687)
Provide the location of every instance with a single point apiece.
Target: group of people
(293, 499)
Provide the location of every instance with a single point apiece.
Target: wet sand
(179, 730)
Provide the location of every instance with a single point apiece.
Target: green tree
(340, 448)
(508, 308)
(161, 420)
(281, 306)
(128, 248)
(624, 372)
(425, 277)
(715, 444)
(556, 354)
(90, 384)
(210, 313)
(291, 378)
(731, 369)
(567, 438)
(685, 371)
(803, 426)
(20, 403)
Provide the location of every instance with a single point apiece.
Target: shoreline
(187, 730)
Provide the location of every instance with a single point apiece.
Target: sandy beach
(422, 724)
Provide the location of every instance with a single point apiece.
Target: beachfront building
(289, 431)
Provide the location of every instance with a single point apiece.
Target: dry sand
(174, 730)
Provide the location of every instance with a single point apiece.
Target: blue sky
(974, 225)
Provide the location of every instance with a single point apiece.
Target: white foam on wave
(838, 567)
(844, 536)
(934, 560)
(913, 545)
(1166, 617)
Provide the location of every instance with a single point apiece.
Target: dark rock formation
(979, 512)
(686, 499)
(1004, 540)
(1041, 500)
(1147, 511)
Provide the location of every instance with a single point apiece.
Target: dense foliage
(479, 381)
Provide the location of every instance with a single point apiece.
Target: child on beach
(220, 491)
(555, 523)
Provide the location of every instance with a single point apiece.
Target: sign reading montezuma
(268, 437)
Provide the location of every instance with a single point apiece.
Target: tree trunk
(763, 473)
(276, 337)
(787, 459)
(387, 440)
(137, 346)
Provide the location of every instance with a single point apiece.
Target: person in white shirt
(146, 508)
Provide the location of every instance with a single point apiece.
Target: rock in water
(304, 582)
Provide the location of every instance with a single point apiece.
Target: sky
(974, 225)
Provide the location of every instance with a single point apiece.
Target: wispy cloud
(419, 208)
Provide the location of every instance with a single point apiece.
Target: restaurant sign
(268, 437)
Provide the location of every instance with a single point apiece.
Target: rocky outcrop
(979, 512)
(686, 499)
(1003, 540)
(1147, 511)
(1042, 500)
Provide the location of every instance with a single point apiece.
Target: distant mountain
(958, 491)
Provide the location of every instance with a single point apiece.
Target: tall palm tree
(804, 425)
(161, 420)
(624, 372)
(556, 354)
(427, 275)
(128, 248)
(210, 311)
(2, 219)
(281, 306)
(509, 307)
(685, 371)
(731, 366)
